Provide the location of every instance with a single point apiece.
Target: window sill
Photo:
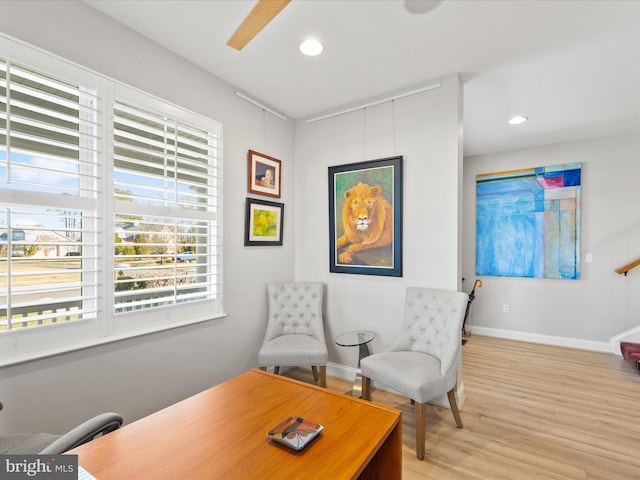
(32, 356)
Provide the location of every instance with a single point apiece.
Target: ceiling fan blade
(262, 13)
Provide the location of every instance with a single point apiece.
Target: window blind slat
(48, 81)
(32, 97)
(18, 120)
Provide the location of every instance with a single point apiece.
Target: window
(165, 199)
(109, 209)
(47, 165)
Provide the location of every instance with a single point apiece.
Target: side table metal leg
(363, 351)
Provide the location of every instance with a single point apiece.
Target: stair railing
(624, 269)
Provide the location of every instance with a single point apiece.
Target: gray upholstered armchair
(49, 444)
(295, 328)
(422, 361)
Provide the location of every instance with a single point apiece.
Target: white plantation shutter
(110, 210)
(166, 202)
(48, 192)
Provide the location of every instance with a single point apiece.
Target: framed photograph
(264, 174)
(365, 217)
(263, 223)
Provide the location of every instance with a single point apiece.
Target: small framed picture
(263, 223)
(264, 174)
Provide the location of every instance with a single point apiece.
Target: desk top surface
(221, 433)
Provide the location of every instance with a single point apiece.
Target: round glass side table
(360, 339)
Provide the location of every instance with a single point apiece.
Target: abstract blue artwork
(528, 222)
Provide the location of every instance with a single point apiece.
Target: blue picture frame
(365, 217)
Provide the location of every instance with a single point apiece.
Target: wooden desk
(221, 434)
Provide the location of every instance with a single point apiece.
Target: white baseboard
(632, 335)
(443, 400)
(341, 371)
(543, 339)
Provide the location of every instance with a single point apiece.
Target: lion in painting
(367, 219)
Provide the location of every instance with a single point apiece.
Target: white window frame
(26, 344)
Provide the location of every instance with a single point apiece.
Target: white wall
(425, 130)
(139, 376)
(583, 313)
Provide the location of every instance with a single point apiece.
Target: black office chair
(49, 444)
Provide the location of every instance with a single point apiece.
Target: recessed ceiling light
(421, 6)
(517, 120)
(311, 47)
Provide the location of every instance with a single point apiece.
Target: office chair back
(50, 444)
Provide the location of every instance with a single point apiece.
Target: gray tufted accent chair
(295, 328)
(422, 361)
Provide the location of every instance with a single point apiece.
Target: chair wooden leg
(314, 370)
(276, 370)
(366, 388)
(323, 376)
(421, 420)
(454, 407)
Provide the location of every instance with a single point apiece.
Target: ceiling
(571, 66)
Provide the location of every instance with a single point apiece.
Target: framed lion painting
(365, 217)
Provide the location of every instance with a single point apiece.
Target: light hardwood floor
(531, 412)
